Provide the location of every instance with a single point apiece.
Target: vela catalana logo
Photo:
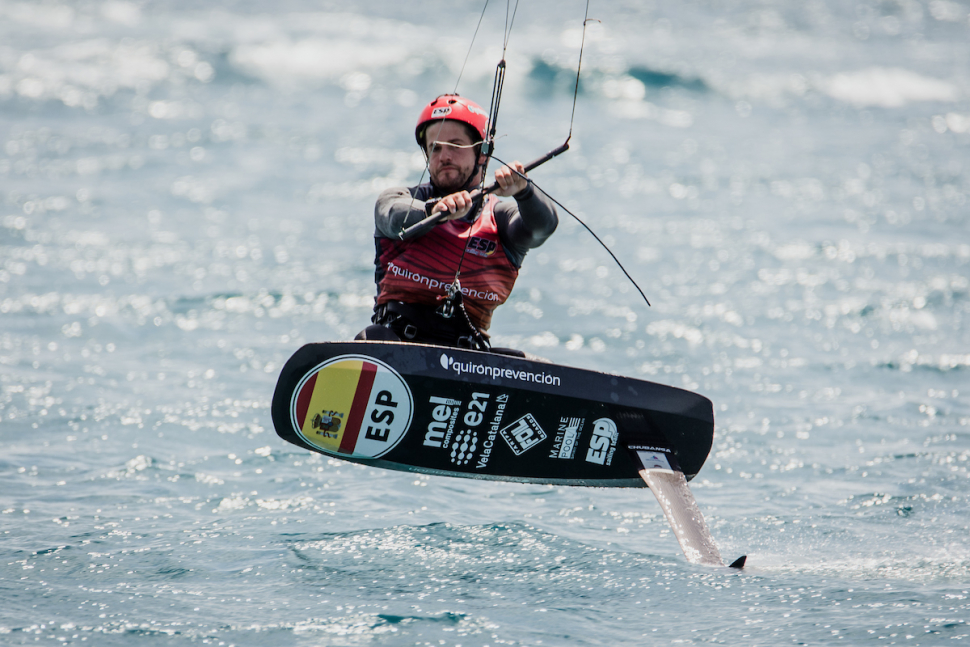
(352, 406)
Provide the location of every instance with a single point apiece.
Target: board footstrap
(685, 518)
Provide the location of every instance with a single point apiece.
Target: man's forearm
(395, 210)
(537, 219)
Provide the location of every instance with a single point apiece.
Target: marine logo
(567, 437)
(352, 406)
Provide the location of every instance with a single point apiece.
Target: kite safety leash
(586, 227)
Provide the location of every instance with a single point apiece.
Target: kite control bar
(491, 188)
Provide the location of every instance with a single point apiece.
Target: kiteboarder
(439, 284)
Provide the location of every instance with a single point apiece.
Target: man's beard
(448, 187)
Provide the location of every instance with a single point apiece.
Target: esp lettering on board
(602, 443)
(381, 414)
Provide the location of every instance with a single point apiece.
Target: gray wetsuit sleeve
(399, 208)
(525, 223)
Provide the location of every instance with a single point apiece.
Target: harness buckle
(380, 313)
(446, 309)
(452, 294)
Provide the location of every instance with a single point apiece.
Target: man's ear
(482, 159)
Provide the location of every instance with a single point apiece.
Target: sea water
(186, 194)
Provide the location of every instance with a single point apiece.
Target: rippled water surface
(186, 198)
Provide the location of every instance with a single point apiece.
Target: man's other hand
(509, 181)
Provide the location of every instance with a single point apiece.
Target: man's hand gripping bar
(491, 188)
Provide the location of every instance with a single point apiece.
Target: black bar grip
(491, 188)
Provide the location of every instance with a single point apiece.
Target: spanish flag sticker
(352, 406)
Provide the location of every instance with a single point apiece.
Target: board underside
(471, 414)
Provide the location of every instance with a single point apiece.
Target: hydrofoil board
(471, 414)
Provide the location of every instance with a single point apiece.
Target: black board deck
(472, 414)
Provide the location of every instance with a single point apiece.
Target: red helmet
(452, 106)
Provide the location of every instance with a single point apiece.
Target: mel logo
(602, 443)
(523, 434)
(443, 417)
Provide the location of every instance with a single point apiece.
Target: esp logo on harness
(481, 246)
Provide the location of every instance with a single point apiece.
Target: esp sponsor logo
(523, 434)
(443, 111)
(602, 443)
(481, 246)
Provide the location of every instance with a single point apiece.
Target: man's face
(451, 155)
